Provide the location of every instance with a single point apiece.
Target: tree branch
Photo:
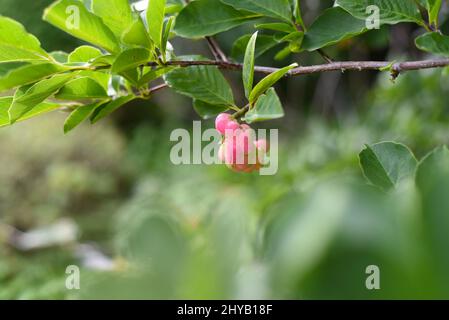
(329, 67)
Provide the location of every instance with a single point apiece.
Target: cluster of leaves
(131, 49)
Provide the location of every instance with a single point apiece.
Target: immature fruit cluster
(240, 151)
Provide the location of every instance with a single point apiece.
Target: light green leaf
(154, 74)
(28, 73)
(387, 164)
(73, 17)
(60, 56)
(28, 97)
(390, 11)
(206, 110)
(155, 19)
(201, 82)
(108, 108)
(116, 14)
(433, 42)
(130, 59)
(208, 17)
(434, 7)
(137, 35)
(5, 103)
(166, 35)
(332, 26)
(267, 107)
(81, 88)
(276, 26)
(248, 65)
(298, 14)
(79, 115)
(268, 82)
(18, 45)
(264, 43)
(84, 54)
(279, 9)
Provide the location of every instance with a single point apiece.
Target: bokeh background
(107, 198)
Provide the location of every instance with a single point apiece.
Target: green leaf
(28, 73)
(264, 43)
(155, 19)
(116, 14)
(279, 9)
(434, 7)
(277, 26)
(73, 17)
(387, 164)
(390, 11)
(82, 88)
(434, 42)
(101, 77)
(84, 54)
(206, 110)
(298, 14)
(5, 103)
(130, 59)
(208, 17)
(332, 26)
(107, 108)
(18, 45)
(248, 65)
(267, 107)
(28, 97)
(154, 74)
(268, 82)
(166, 35)
(137, 35)
(202, 83)
(60, 56)
(79, 115)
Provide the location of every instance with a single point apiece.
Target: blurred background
(107, 198)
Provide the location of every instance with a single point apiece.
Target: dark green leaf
(390, 11)
(203, 83)
(206, 110)
(264, 43)
(279, 9)
(267, 107)
(332, 26)
(387, 164)
(208, 17)
(434, 42)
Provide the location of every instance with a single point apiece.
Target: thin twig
(159, 87)
(216, 50)
(329, 67)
